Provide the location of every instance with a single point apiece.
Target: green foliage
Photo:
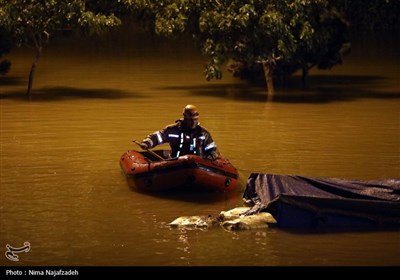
(26, 19)
(107, 7)
(302, 33)
(93, 23)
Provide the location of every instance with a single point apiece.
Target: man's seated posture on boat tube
(185, 136)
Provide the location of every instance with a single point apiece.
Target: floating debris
(234, 219)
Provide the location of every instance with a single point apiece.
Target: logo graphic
(12, 252)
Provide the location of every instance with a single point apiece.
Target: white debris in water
(233, 213)
(193, 221)
(259, 220)
(233, 219)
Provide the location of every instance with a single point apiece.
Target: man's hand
(211, 156)
(146, 144)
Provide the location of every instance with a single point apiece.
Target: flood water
(62, 189)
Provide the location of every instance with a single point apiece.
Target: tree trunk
(37, 40)
(33, 68)
(268, 78)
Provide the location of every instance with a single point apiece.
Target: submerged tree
(33, 22)
(281, 36)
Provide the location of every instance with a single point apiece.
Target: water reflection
(62, 188)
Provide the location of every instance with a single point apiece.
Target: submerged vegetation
(254, 38)
(33, 23)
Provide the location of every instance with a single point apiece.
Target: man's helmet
(190, 112)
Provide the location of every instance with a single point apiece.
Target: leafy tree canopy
(288, 34)
(26, 18)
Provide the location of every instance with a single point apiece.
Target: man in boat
(185, 136)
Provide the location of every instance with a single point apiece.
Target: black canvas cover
(297, 201)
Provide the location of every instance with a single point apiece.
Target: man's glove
(146, 144)
(211, 156)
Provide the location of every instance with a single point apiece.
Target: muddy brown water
(62, 189)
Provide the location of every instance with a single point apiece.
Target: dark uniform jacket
(183, 141)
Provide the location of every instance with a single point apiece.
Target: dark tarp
(298, 201)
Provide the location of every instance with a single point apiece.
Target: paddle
(150, 151)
